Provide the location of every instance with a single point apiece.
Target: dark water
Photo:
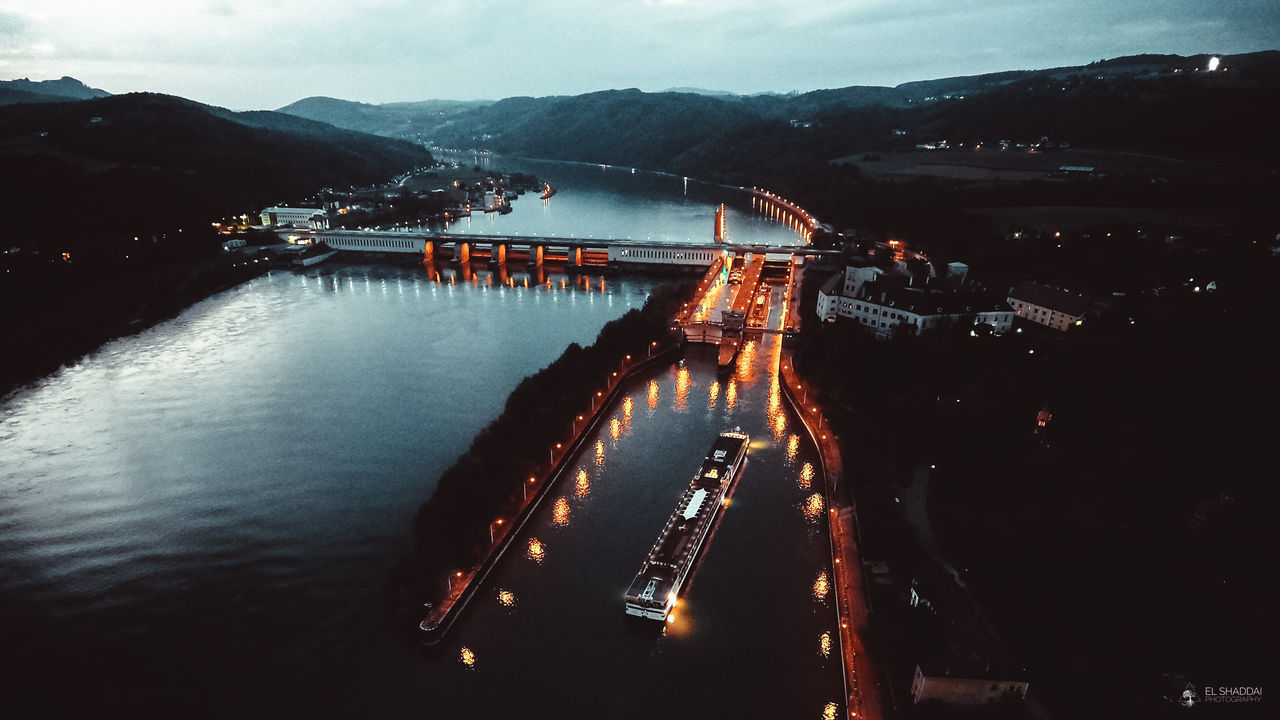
(198, 520)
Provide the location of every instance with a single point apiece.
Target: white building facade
(888, 312)
(1048, 306)
(313, 218)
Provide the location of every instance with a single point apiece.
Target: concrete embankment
(862, 681)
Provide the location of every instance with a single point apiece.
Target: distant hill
(1146, 103)
(142, 162)
(701, 91)
(66, 88)
(407, 120)
(723, 135)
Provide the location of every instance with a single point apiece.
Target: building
(313, 218)
(958, 684)
(888, 306)
(1048, 306)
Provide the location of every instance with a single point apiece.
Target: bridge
(535, 250)
(579, 252)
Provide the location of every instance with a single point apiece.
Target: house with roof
(1048, 306)
(893, 305)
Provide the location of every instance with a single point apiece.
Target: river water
(198, 520)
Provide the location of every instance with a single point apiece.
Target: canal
(199, 519)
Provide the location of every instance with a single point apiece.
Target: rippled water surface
(198, 520)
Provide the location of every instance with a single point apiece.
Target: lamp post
(449, 580)
(497, 522)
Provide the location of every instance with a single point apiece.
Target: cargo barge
(656, 588)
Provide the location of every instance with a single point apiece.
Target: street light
(449, 580)
(495, 522)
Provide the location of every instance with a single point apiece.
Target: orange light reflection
(536, 552)
(806, 479)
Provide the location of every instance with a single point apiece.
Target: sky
(264, 54)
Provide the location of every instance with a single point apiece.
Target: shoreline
(84, 344)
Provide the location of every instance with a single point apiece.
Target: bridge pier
(429, 252)
(537, 255)
(575, 257)
(462, 252)
(498, 254)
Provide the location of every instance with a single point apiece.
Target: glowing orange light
(806, 477)
(599, 452)
(829, 711)
(536, 551)
(793, 447)
(731, 395)
(582, 485)
(682, 389)
(653, 394)
(467, 657)
(813, 506)
(821, 586)
(560, 512)
(824, 644)
(615, 429)
(506, 598)
(713, 394)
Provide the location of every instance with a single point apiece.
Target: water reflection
(745, 370)
(821, 586)
(682, 389)
(713, 394)
(824, 644)
(536, 551)
(806, 475)
(813, 506)
(581, 484)
(653, 395)
(615, 429)
(627, 404)
(466, 657)
(793, 447)
(506, 598)
(829, 711)
(599, 452)
(559, 513)
(731, 396)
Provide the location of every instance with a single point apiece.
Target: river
(198, 520)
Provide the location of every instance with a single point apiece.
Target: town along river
(198, 520)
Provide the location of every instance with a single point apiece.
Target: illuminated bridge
(578, 252)
(582, 252)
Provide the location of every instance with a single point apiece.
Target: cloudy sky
(251, 54)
